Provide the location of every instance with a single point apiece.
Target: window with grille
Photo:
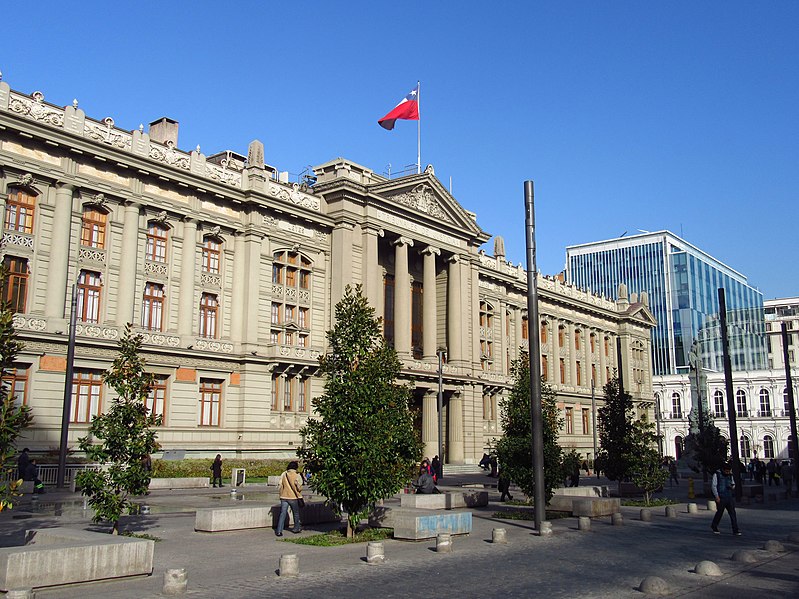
(210, 402)
(15, 287)
(92, 232)
(20, 208)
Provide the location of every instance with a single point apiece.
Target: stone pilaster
(239, 286)
(58, 268)
(429, 320)
(402, 298)
(430, 423)
(188, 310)
(372, 274)
(127, 265)
(341, 274)
(455, 427)
(454, 313)
(253, 242)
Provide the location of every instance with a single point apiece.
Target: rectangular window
(579, 374)
(277, 274)
(302, 395)
(16, 382)
(302, 320)
(562, 371)
(275, 392)
(89, 287)
(19, 211)
(305, 279)
(417, 294)
(152, 308)
(302, 340)
(593, 342)
(15, 287)
(209, 312)
(211, 253)
(290, 312)
(291, 277)
(210, 402)
(586, 416)
(544, 337)
(92, 233)
(156, 399)
(577, 340)
(569, 421)
(388, 314)
(525, 331)
(561, 336)
(545, 368)
(87, 386)
(288, 388)
(275, 313)
(156, 243)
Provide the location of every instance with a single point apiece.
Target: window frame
(209, 316)
(87, 384)
(210, 395)
(159, 386)
(15, 287)
(94, 222)
(156, 245)
(90, 294)
(153, 306)
(20, 215)
(212, 255)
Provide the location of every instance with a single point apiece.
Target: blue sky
(627, 115)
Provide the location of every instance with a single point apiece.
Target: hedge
(189, 468)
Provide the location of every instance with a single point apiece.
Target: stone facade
(231, 273)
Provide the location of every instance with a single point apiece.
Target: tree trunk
(115, 528)
(350, 529)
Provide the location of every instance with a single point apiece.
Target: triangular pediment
(424, 195)
(640, 311)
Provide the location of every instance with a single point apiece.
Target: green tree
(514, 449)
(363, 447)
(645, 465)
(616, 432)
(125, 435)
(13, 418)
(571, 463)
(707, 447)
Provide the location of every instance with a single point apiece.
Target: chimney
(163, 131)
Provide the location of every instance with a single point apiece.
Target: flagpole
(419, 128)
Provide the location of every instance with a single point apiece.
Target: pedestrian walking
(723, 487)
(22, 463)
(673, 478)
(503, 486)
(771, 469)
(32, 474)
(436, 466)
(290, 492)
(216, 470)
(786, 470)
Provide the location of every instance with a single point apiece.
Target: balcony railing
(48, 473)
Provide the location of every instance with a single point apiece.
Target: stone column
(58, 268)
(239, 289)
(341, 259)
(474, 312)
(603, 361)
(188, 311)
(127, 264)
(429, 320)
(372, 275)
(430, 422)
(573, 354)
(455, 428)
(402, 298)
(501, 344)
(454, 313)
(517, 321)
(253, 243)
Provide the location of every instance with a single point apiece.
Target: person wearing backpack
(723, 487)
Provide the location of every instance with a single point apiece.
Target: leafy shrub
(193, 468)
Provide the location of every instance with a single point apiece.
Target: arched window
(765, 403)
(678, 446)
(156, 242)
(718, 404)
(486, 315)
(20, 208)
(746, 447)
(676, 406)
(209, 312)
(768, 447)
(92, 232)
(740, 403)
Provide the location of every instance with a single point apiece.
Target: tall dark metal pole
(619, 362)
(593, 421)
(725, 347)
(62, 450)
(440, 403)
(537, 417)
(791, 404)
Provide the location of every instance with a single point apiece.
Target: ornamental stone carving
(295, 196)
(170, 156)
(223, 175)
(213, 345)
(36, 109)
(107, 134)
(33, 324)
(91, 255)
(156, 268)
(210, 280)
(16, 238)
(421, 198)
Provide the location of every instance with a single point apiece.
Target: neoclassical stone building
(231, 273)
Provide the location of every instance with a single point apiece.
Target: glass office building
(682, 283)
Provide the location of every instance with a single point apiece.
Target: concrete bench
(58, 556)
(240, 517)
(586, 491)
(585, 506)
(416, 524)
(199, 482)
(445, 501)
(273, 481)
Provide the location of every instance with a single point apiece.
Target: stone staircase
(462, 469)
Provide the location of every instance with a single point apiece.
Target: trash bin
(238, 477)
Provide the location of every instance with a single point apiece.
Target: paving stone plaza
(604, 561)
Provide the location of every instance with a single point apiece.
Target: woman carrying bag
(290, 490)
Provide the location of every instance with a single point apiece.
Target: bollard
(289, 565)
(144, 510)
(774, 547)
(671, 512)
(444, 543)
(584, 523)
(654, 585)
(693, 508)
(19, 594)
(646, 515)
(546, 529)
(499, 535)
(711, 505)
(691, 494)
(176, 581)
(375, 554)
(707, 568)
(617, 519)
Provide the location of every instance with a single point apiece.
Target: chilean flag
(408, 109)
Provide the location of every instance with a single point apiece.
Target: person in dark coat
(22, 463)
(503, 486)
(32, 474)
(425, 483)
(723, 488)
(436, 466)
(216, 470)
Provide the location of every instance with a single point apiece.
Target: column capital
(430, 250)
(373, 230)
(454, 259)
(191, 220)
(403, 241)
(65, 185)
